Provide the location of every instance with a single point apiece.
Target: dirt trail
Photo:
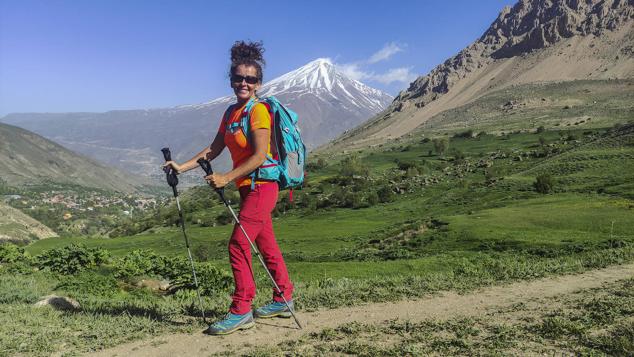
(440, 306)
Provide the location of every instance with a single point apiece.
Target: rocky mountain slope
(533, 41)
(29, 159)
(328, 104)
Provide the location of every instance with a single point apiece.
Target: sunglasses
(249, 79)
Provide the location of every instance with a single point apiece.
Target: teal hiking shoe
(274, 309)
(231, 323)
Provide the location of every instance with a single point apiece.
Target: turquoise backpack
(288, 167)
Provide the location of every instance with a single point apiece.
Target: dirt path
(440, 306)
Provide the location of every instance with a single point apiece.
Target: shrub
(72, 259)
(440, 145)
(543, 183)
(458, 155)
(211, 280)
(224, 218)
(540, 129)
(177, 270)
(201, 253)
(464, 134)
(11, 253)
(412, 172)
(138, 262)
(385, 194)
(352, 166)
(13, 259)
(373, 198)
(316, 165)
(404, 165)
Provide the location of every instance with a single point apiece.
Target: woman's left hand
(217, 180)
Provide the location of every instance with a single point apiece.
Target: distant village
(86, 202)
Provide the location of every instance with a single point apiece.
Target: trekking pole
(221, 192)
(172, 180)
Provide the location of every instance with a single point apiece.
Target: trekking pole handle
(206, 166)
(170, 173)
(168, 157)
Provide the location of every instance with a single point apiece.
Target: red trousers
(255, 215)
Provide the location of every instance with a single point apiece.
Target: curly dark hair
(249, 54)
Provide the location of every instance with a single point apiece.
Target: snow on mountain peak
(318, 74)
(320, 77)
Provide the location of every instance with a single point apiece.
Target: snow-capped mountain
(327, 102)
(321, 77)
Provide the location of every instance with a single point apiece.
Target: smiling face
(243, 90)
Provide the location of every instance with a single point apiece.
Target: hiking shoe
(274, 309)
(231, 323)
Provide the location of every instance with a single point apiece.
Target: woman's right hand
(176, 167)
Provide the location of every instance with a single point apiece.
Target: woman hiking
(257, 199)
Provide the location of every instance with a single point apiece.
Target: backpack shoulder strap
(225, 116)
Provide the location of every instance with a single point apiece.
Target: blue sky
(98, 55)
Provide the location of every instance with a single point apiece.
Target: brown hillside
(16, 226)
(29, 159)
(534, 41)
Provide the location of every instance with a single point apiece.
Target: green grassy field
(467, 218)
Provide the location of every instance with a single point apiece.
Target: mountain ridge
(532, 41)
(30, 159)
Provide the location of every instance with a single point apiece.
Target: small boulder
(59, 303)
(153, 284)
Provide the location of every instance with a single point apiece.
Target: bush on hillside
(412, 172)
(458, 155)
(468, 134)
(224, 218)
(440, 145)
(14, 259)
(316, 165)
(11, 253)
(385, 194)
(405, 164)
(72, 259)
(543, 183)
(353, 166)
(146, 263)
(373, 198)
